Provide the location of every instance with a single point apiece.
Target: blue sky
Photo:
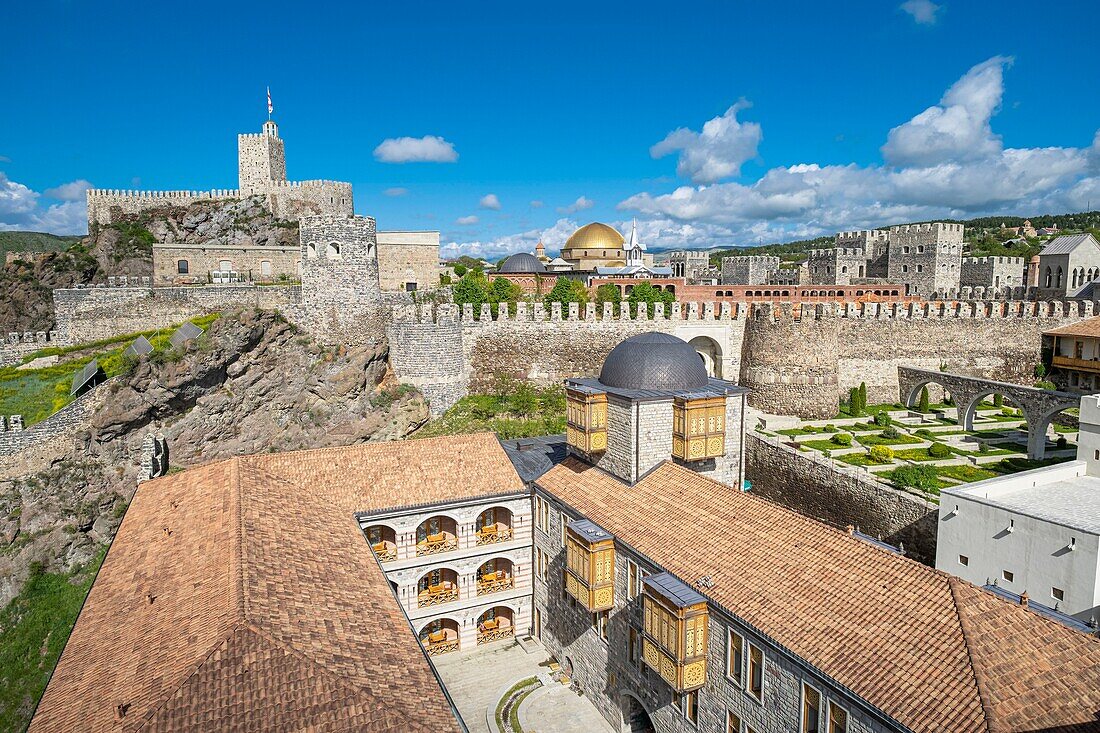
(713, 123)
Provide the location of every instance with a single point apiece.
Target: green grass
(916, 454)
(965, 474)
(861, 459)
(517, 411)
(1010, 447)
(842, 411)
(933, 487)
(825, 445)
(808, 430)
(33, 630)
(877, 439)
(513, 718)
(38, 393)
(1063, 428)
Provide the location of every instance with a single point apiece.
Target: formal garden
(924, 448)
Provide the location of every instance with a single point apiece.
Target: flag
(270, 109)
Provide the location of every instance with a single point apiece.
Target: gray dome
(654, 361)
(522, 262)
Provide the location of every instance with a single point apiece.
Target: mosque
(317, 590)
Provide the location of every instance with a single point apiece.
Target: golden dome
(595, 236)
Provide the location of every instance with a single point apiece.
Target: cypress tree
(853, 401)
(862, 397)
(924, 401)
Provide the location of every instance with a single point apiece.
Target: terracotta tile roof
(1087, 327)
(243, 595)
(929, 650)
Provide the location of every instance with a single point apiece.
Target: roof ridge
(979, 674)
(198, 665)
(236, 550)
(260, 457)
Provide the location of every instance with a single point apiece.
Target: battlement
(215, 193)
(993, 260)
(751, 259)
(451, 314)
(863, 235)
(928, 227)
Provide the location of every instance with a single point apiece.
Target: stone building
(1067, 267)
(926, 258)
(261, 171)
(408, 261)
(1074, 352)
(993, 273)
(690, 264)
(526, 271)
(854, 256)
(186, 264)
(1035, 534)
(749, 270)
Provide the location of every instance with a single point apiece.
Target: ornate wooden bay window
(586, 419)
(698, 427)
(674, 636)
(590, 565)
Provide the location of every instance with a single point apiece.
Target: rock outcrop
(251, 384)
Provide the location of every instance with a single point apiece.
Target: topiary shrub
(916, 477)
(939, 450)
(924, 433)
(842, 439)
(890, 433)
(923, 405)
(830, 428)
(1007, 411)
(882, 419)
(1061, 442)
(998, 400)
(983, 447)
(882, 453)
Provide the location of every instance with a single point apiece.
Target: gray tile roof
(1066, 243)
(532, 457)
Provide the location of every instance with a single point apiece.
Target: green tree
(862, 397)
(923, 405)
(882, 419)
(471, 289)
(608, 293)
(566, 291)
(460, 269)
(503, 290)
(917, 477)
(998, 401)
(1040, 370)
(646, 292)
(853, 402)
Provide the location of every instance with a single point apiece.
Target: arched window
(265, 268)
(183, 267)
(1046, 277)
(844, 269)
(1058, 277)
(311, 251)
(333, 251)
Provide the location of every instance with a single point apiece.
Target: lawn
(842, 411)
(965, 474)
(825, 445)
(933, 489)
(807, 430)
(1063, 428)
(861, 459)
(1010, 446)
(38, 393)
(916, 454)
(33, 630)
(514, 410)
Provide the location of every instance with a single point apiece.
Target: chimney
(1024, 599)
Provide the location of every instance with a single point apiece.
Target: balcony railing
(497, 634)
(385, 551)
(435, 648)
(494, 583)
(435, 595)
(1091, 365)
(436, 544)
(494, 533)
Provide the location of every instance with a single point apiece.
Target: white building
(1035, 532)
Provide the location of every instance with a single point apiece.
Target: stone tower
(261, 159)
(341, 298)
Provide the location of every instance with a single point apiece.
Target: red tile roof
(1090, 327)
(243, 595)
(930, 650)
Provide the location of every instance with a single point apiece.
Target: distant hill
(35, 242)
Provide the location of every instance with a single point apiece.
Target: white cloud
(715, 153)
(466, 220)
(553, 237)
(536, 204)
(395, 191)
(4, 159)
(427, 149)
(20, 209)
(489, 201)
(923, 11)
(72, 191)
(958, 127)
(945, 162)
(582, 203)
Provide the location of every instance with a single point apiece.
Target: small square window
(1008, 575)
(964, 560)
(1058, 594)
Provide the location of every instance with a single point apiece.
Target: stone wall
(748, 270)
(18, 345)
(926, 257)
(993, 272)
(796, 360)
(91, 314)
(408, 258)
(817, 487)
(59, 426)
(202, 259)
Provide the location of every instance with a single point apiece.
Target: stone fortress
(261, 171)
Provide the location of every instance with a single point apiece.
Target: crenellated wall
(796, 360)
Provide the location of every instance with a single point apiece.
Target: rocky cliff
(126, 248)
(252, 383)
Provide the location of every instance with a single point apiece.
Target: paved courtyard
(476, 679)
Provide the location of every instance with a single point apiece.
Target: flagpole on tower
(269, 107)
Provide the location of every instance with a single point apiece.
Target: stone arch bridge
(1039, 405)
